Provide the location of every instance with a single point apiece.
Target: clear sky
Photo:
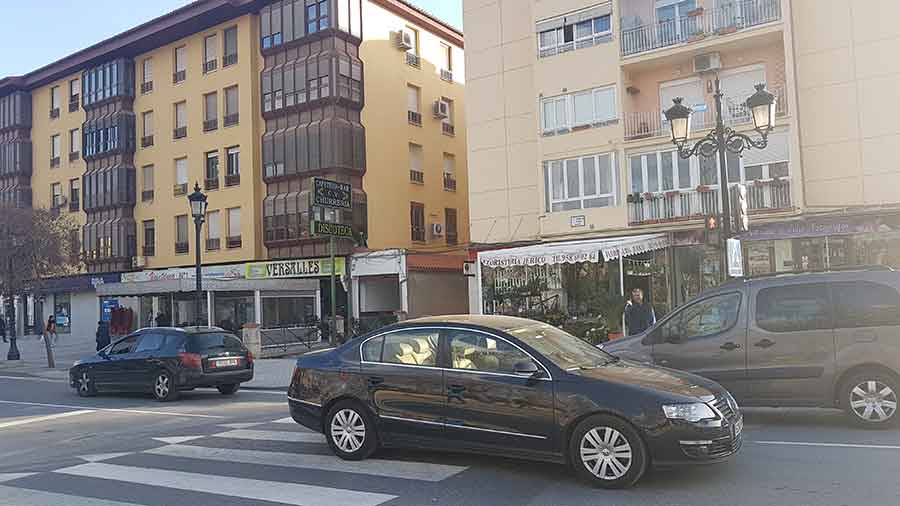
(32, 36)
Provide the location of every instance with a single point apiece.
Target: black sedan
(164, 360)
(511, 387)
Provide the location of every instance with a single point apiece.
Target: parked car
(827, 339)
(511, 387)
(164, 360)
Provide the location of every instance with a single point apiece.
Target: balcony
(210, 66)
(764, 195)
(697, 25)
(417, 176)
(649, 124)
(54, 113)
(447, 75)
(449, 183)
(73, 103)
(54, 162)
(74, 155)
(414, 118)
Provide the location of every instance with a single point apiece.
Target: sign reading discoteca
(332, 229)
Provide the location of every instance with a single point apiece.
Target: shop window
(233, 310)
(288, 311)
(62, 310)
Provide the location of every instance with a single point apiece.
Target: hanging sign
(332, 229)
(735, 258)
(332, 194)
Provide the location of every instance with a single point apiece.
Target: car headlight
(689, 412)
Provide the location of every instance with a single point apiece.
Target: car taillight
(249, 357)
(190, 360)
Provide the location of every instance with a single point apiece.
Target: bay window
(580, 183)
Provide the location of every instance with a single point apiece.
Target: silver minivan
(829, 339)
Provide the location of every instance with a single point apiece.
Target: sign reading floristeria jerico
(303, 268)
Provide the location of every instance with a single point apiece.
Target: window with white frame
(589, 107)
(660, 171)
(580, 183)
(577, 30)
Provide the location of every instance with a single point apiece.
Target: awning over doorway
(574, 251)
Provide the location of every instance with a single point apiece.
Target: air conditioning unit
(437, 229)
(138, 262)
(707, 62)
(403, 40)
(441, 109)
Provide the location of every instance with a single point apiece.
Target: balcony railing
(180, 189)
(417, 176)
(232, 179)
(229, 59)
(210, 125)
(213, 244)
(448, 129)
(647, 124)
(73, 103)
(210, 65)
(231, 119)
(179, 133)
(149, 250)
(413, 60)
(74, 155)
(181, 247)
(414, 118)
(767, 195)
(211, 184)
(447, 75)
(233, 241)
(146, 87)
(146, 141)
(700, 24)
(449, 183)
(179, 76)
(147, 195)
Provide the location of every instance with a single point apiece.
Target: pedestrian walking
(3, 328)
(50, 335)
(639, 316)
(102, 335)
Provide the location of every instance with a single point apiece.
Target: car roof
(184, 330)
(497, 322)
(874, 273)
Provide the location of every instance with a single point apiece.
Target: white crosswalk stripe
(284, 420)
(188, 465)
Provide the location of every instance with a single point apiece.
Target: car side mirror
(526, 368)
(102, 354)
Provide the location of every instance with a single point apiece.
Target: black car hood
(650, 377)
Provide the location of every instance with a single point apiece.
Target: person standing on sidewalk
(102, 335)
(50, 331)
(639, 316)
(3, 328)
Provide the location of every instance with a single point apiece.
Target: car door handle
(374, 381)
(764, 343)
(729, 346)
(455, 392)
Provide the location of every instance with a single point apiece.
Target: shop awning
(574, 251)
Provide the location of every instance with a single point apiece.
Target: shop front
(579, 285)
(72, 300)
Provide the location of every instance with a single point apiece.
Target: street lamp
(723, 139)
(13, 353)
(198, 211)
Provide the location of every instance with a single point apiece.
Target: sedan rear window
(198, 343)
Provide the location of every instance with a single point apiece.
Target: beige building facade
(568, 141)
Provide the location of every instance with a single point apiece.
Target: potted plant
(702, 188)
(693, 13)
(697, 35)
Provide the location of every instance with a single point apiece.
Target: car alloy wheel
(348, 431)
(86, 387)
(164, 387)
(606, 453)
(873, 401)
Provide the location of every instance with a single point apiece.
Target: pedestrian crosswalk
(241, 464)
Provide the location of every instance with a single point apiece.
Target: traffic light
(742, 216)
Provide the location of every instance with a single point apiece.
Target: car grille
(721, 403)
(723, 447)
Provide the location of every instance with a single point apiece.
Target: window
(146, 75)
(234, 227)
(865, 304)
(212, 230)
(181, 176)
(449, 164)
(371, 349)
(180, 72)
(417, 221)
(316, 15)
(447, 62)
(660, 171)
(589, 107)
(74, 143)
(561, 37)
(703, 319)
(414, 115)
(480, 352)
(74, 94)
(209, 53)
(56, 194)
(793, 308)
(180, 120)
(416, 173)
(147, 182)
(124, 346)
(212, 170)
(232, 166)
(230, 47)
(74, 194)
(105, 81)
(408, 347)
(231, 106)
(54, 102)
(181, 234)
(580, 183)
(450, 226)
(414, 35)
(149, 238)
(150, 341)
(54, 150)
(210, 111)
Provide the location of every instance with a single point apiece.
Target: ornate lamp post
(198, 211)
(13, 353)
(723, 139)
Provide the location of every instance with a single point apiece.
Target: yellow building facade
(250, 101)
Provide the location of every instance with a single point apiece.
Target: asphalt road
(206, 449)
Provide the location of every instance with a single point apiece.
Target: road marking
(284, 420)
(4, 477)
(45, 418)
(422, 471)
(176, 439)
(98, 457)
(260, 490)
(239, 425)
(830, 445)
(273, 435)
(113, 410)
(270, 392)
(32, 378)
(29, 497)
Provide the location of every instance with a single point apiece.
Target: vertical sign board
(735, 258)
(333, 195)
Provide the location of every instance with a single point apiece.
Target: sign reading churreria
(328, 193)
(304, 268)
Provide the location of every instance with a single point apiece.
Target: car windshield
(213, 341)
(563, 349)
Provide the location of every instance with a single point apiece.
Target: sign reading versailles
(332, 229)
(305, 268)
(331, 194)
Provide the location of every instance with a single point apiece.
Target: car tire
(85, 384)
(164, 386)
(350, 431)
(228, 389)
(608, 452)
(870, 399)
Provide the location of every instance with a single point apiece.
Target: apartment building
(250, 101)
(573, 174)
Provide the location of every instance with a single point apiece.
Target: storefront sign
(810, 228)
(208, 272)
(106, 308)
(331, 194)
(634, 247)
(574, 251)
(305, 268)
(735, 258)
(82, 283)
(332, 229)
(550, 259)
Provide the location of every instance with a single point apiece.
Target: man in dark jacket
(638, 315)
(102, 335)
(3, 328)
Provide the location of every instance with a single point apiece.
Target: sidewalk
(269, 374)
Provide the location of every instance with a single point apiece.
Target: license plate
(738, 427)
(231, 362)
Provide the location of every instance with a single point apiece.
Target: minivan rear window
(213, 341)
